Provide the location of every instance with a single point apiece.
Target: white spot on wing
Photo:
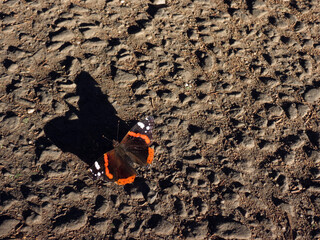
(96, 164)
(148, 128)
(141, 125)
(99, 174)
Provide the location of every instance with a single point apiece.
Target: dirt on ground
(233, 86)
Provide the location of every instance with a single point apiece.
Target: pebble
(31, 110)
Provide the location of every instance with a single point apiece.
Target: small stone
(58, 107)
(233, 230)
(159, 2)
(123, 76)
(63, 36)
(174, 190)
(73, 116)
(137, 195)
(7, 225)
(302, 110)
(31, 110)
(292, 111)
(65, 86)
(51, 153)
(11, 122)
(73, 100)
(164, 228)
(199, 231)
(312, 95)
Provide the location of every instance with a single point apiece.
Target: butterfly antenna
(107, 138)
(118, 130)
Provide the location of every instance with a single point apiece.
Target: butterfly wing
(138, 140)
(112, 166)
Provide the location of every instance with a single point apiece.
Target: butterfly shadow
(87, 130)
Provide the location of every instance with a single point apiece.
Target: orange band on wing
(150, 155)
(127, 180)
(144, 137)
(106, 163)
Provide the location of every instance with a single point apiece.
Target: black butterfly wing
(138, 140)
(112, 166)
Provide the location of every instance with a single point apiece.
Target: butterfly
(117, 165)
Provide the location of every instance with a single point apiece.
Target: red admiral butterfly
(117, 164)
